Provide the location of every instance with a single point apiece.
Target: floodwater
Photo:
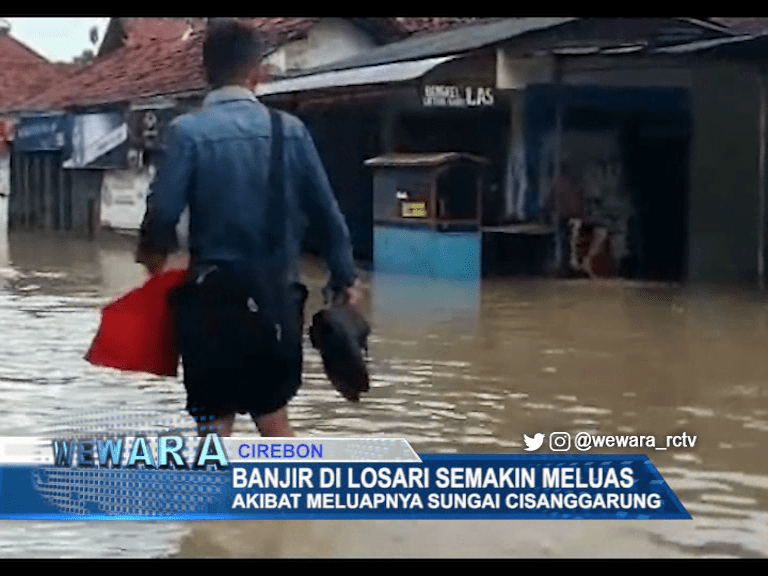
(453, 371)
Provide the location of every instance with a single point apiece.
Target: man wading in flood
(240, 315)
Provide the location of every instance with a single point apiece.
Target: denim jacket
(217, 164)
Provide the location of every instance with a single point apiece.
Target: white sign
(124, 198)
(457, 96)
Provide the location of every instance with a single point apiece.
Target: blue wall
(427, 252)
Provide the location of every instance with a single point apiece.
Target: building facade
(666, 146)
(511, 92)
(113, 113)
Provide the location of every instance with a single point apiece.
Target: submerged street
(525, 357)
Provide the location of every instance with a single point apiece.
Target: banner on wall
(41, 133)
(98, 141)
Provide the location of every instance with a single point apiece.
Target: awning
(379, 74)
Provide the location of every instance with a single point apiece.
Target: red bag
(136, 332)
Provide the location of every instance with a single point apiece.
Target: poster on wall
(147, 127)
(41, 133)
(591, 157)
(98, 141)
(591, 161)
(516, 179)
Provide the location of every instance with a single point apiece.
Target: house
(727, 80)
(510, 91)
(695, 162)
(23, 73)
(523, 93)
(87, 115)
(293, 43)
(112, 113)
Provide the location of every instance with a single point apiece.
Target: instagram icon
(559, 441)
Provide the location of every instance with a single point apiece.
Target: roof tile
(161, 56)
(24, 72)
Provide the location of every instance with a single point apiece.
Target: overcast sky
(58, 39)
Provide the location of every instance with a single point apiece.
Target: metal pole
(62, 205)
(558, 78)
(761, 186)
(25, 169)
(558, 154)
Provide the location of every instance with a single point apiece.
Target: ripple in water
(634, 360)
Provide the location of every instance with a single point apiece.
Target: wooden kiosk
(427, 214)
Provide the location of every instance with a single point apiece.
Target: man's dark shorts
(233, 361)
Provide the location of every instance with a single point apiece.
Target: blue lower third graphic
(439, 486)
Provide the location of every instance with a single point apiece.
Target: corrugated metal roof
(426, 159)
(617, 38)
(744, 25)
(455, 41)
(396, 72)
(703, 45)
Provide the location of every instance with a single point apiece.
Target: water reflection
(452, 371)
(417, 303)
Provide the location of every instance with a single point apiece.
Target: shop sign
(417, 209)
(438, 95)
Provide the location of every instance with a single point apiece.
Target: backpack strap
(277, 212)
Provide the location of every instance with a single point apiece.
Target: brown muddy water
(452, 372)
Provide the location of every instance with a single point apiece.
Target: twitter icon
(534, 443)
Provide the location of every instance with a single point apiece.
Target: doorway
(639, 139)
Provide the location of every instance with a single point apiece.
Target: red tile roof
(435, 24)
(279, 30)
(12, 49)
(163, 56)
(155, 28)
(143, 67)
(284, 29)
(122, 30)
(24, 73)
(138, 30)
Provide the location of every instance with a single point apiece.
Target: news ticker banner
(213, 478)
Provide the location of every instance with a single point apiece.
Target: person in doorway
(566, 204)
(610, 211)
(240, 315)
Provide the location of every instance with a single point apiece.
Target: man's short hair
(230, 49)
